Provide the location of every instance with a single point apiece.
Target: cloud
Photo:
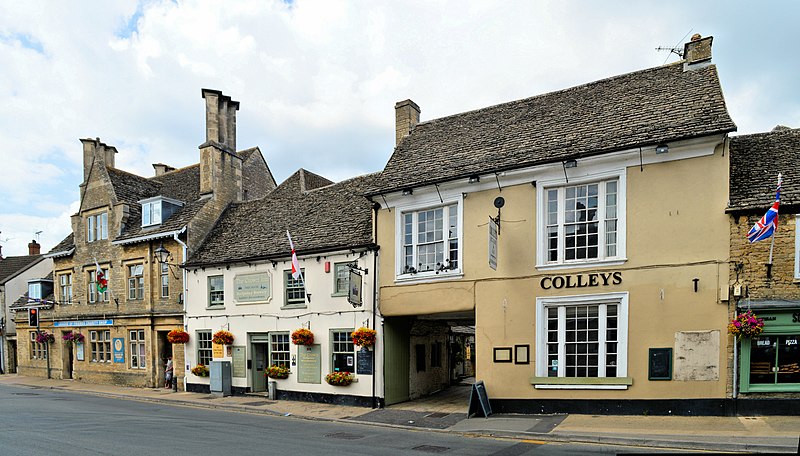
(317, 80)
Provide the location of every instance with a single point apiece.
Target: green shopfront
(771, 361)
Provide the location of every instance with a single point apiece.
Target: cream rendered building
(606, 288)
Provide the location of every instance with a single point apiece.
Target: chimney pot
(34, 248)
(406, 114)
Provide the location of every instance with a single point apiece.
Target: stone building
(563, 228)
(766, 367)
(15, 273)
(244, 285)
(123, 220)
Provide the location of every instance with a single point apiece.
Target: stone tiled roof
(301, 181)
(755, 162)
(181, 184)
(326, 218)
(245, 154)
(66, 244)
(647, 107)
(11, 266)
(22, 301)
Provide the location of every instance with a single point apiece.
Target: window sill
(294, 306)
(216, 307)
(338, 295)
(582, 264)
(618, 383)
(428, 276)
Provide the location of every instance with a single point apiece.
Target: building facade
(559, 227)
(244, 285)
(766, 373)
(15, 272)
(114, 303)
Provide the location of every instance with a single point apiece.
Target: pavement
(447, 412)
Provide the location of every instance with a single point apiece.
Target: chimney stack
(93, 150)
(220, 119)
(406, 115)
(162, 168)
(220, 165)
(34, 248)
(697, 52)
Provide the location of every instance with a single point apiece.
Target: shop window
(775, 360)
(583, 336)
(582, 222)
(100, 342)
(204, 354)
(343, 356)
(797, 247)
(138, 359)
(279, 354)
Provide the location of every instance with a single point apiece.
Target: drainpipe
(375, 208)
(185, 297)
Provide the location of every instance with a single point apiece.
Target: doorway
(260, 352)
(67, 357)
(164, 350)
(12, 357)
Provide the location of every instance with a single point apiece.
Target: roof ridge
(176, 170)
(768, 133)
(555, 92)
(345, 181)
(122, 171)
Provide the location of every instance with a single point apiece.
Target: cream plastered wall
(677, 231)
(325, 312)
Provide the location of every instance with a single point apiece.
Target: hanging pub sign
(595, 279)
(354, 289)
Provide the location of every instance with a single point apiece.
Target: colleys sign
(595, 279)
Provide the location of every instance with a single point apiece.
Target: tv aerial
(677, 49)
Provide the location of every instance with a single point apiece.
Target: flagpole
(299, 271)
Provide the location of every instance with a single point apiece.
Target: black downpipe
(375, 208)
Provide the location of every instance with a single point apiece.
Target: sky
(318, 80)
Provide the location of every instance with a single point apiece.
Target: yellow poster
(216, 351)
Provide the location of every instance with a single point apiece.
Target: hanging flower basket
(278, 372)
(222, 337)
(364, 337)
(339, 378)
(303, 336)
(200, 370)
(746, 324)
(73, 337)
(178, 336)
(45, 337)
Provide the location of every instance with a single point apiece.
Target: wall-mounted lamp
(662, 149)
(474, 179)
(408, 191)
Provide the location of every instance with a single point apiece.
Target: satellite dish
(499, 202)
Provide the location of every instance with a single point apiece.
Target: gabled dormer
(39, 289)
(158, 209)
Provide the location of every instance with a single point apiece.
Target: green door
(259, 363)
(396, 333)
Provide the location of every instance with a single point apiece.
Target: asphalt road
(54, 422)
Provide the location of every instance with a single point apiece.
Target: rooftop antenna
(37, 235)
(677, 49)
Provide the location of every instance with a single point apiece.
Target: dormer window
(157, 210)
(35, 290)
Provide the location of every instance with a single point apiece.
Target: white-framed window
(295, 293)
(164, 280)
(429, 240)
(94, 294)
(65, 288)
(97, 227)
(342, 351)
(136, 281)
(204, 354)
(35, 290)
(279, 354)
(582, 221)
(151, 213)
(797, 247)
(138, 359)
(582, 336)
(216, 291)
(341, 278)
(38, 350)
(101, 346)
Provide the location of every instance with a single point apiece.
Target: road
(53, 422)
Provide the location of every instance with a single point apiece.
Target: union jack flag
(766, 227)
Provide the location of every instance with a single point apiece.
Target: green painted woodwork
(396, 334)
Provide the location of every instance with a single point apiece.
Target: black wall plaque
(660, 364)
(364, 363)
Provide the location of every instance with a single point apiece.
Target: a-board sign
(479, 401)
(364, 361)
